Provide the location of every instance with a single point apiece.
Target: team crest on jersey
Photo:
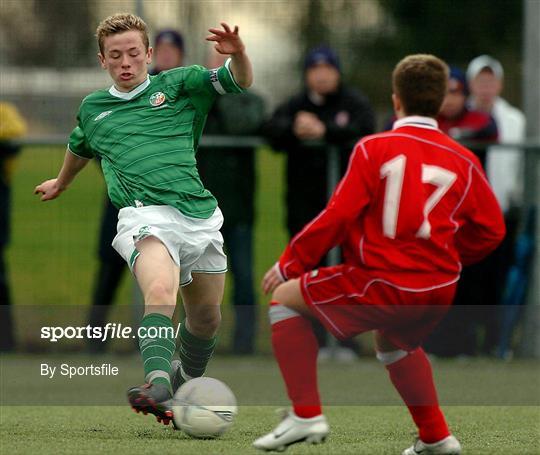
(102, 115)
(157, 99)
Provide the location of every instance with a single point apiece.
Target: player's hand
(227, 41)
(272, 279)
(50, 189)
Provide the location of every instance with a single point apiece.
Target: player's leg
(290, 319)
(411, 374)
(202, 302)
(295, 349)
(158, 278)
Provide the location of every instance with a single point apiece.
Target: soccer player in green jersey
(146, 130)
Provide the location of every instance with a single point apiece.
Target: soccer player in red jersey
(413, 207)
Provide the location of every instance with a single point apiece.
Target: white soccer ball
(204, 408)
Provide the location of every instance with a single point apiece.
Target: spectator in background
(504, 166)
(12, 126)
(168, 54)
(229, 174)
(478, 289)
(168, 51)
(460, 122)
(328, 111)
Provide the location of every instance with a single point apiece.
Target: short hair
(119, 23)
(420, 81)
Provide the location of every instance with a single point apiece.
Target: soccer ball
(204, 408)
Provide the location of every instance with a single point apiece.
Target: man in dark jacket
(229, 173)
(325, 111)
(328, 112)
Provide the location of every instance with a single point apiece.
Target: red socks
(413, 379)
(296, 348)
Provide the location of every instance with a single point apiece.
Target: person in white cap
(485, 77)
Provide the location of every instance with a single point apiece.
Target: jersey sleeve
(484, 226)
(78, 144)
(330, 227)
(217, 81)
(222, 79)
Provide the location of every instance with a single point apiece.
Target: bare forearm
(71, 167)
(241, 69)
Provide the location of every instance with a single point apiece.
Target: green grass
(354, 430)
(373, 423)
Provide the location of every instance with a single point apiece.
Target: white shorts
(195, 245)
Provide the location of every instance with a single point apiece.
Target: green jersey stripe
(147, 138)
(156, 154)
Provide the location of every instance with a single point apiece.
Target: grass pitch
(354, 430)
(384, 427)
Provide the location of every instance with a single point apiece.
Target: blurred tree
(457, 30)
(372, 35)
(313, 29)
(55, 33)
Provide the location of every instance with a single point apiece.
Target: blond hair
(420, 82)
(119, 23)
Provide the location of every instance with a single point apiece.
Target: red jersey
(413, 206)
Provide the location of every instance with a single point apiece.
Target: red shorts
(349, 300)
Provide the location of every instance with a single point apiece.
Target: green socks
(194, 352)
(157, 345)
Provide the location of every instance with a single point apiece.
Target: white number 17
(394, 172)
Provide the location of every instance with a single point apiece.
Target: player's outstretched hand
(50, 189)
(272, 279)
(227, 41)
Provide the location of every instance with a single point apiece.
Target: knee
(388, 358)
(278, 313)
(205, 323)
(159, 293)
(280, 294)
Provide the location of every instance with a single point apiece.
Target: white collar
(129, 95)
(417, 121)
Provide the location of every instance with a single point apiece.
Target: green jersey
(147, 138)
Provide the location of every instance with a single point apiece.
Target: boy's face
(125, 58)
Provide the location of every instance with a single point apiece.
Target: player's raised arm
(229, 42)
(51, 189)
(327, 230)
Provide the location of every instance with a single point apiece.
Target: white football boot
(293, 429)
(447, 446)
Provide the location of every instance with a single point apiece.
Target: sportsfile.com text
(111, 330)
